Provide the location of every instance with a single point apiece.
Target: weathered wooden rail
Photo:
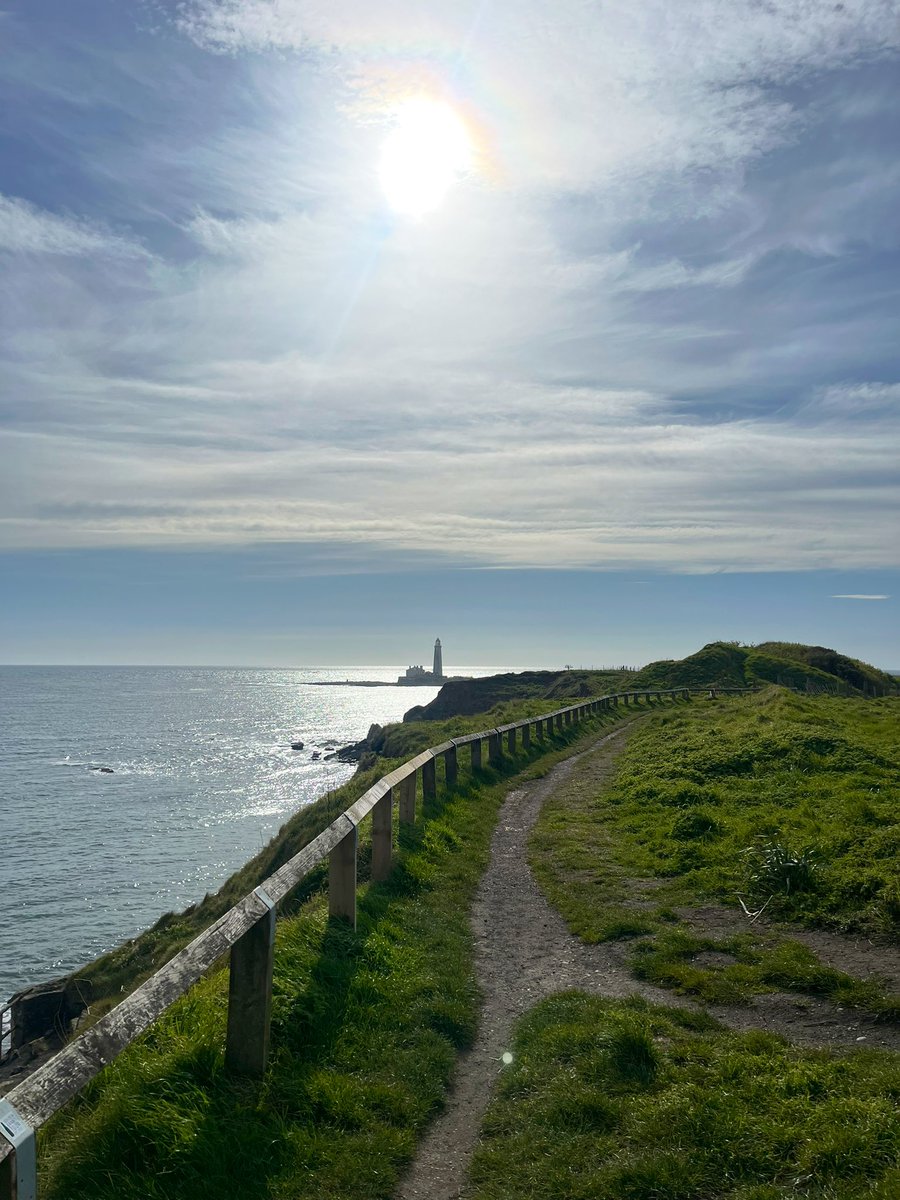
(247, 933)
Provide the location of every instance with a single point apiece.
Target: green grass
(704, 793)
(122, 969)
(624, 1101)
(731, 970)
(731, 664)
(366, 1028)
(783, 800)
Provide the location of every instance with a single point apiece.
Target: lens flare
(424, 154)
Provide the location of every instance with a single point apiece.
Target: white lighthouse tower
(438, 671)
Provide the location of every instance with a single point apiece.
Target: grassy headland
(789, 802)
(465, 697)
(461, 707)
(814, 669)
(367, 1025)
(783, 801)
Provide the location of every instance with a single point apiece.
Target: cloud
(487, 472)
(858, 399)
(849, 596)
(574, 98)
(658, 331)
(26, 229)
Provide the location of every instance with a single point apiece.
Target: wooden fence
(247, 933)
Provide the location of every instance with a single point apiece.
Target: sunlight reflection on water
(202, 777)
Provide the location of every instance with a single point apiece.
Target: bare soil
(853, 954)
(524, 952)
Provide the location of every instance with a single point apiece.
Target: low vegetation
(815, 669)
(625, 1101)
(465, 697)
(730, 970)
(782, 803)
(460, 708)
(786, 804)
(122, 969)
(366, 1028)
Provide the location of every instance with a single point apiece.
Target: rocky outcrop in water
(363, 752)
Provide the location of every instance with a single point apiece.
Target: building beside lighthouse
(418, 676)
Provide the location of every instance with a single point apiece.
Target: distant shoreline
(357, 683)
(379, 682)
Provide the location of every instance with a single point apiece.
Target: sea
(200, 776)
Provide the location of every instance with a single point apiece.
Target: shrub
(776, 868)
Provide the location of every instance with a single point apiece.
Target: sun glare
(425, 152)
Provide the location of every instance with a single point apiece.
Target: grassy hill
(814, 669)
(465, 697)
(859, 675)
(719, 664)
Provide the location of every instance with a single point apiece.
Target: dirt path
(524, 952)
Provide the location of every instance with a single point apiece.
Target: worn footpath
(524, 952)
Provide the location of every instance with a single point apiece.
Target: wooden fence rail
(247, 933)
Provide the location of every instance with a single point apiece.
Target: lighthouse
(438, 670)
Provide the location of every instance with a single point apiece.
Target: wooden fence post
(540, 729)
(7, 1178)
(495, 751)
(511, 740)
(451, 768)
(429, 780)
(476, 754)
(526, 737)
(408, 799)
(559, 722)
(567, 716)
(342, 878)
(250, 996)
(18, 1172)
(382, 836)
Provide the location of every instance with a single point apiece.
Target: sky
(567, 331)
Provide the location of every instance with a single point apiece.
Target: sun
(426, 151)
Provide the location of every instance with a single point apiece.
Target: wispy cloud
(26, 229)
(657, 328)
(850, 596)
(580, 98)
